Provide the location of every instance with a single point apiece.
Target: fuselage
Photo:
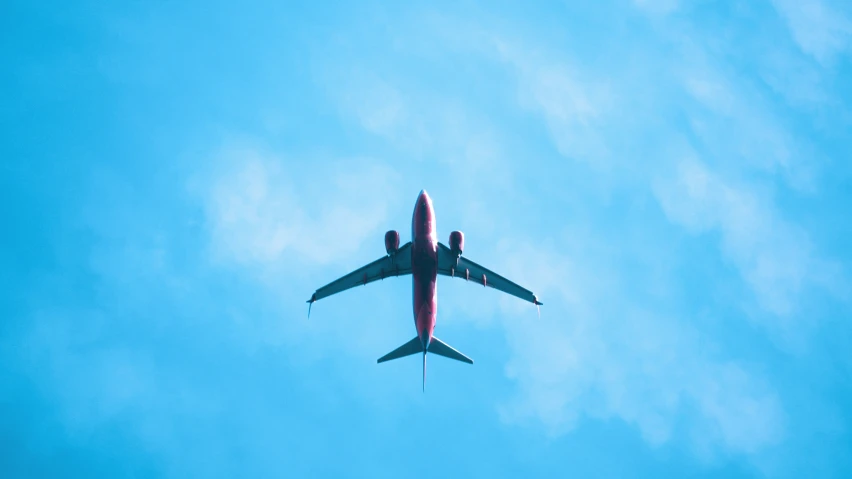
(424, 268)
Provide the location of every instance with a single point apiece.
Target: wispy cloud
(377, 105)
(261, 208)
(775, 257)
(632, 354)
(820, 29)
(602, 350)
(572, 102)
(657, 6)
(738, 130)
(666, 175)
(418, 121)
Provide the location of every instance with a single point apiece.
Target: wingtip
(538, 305)
(311, 303)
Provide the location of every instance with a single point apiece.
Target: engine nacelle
(392, 242)
(457, 242)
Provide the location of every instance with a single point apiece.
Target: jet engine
(392, 242)
(457, 242)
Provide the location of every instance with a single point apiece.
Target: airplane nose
(424, 199)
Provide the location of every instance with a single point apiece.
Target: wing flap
(461, 267)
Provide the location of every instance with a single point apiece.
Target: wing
(388, 266)
(461, 267)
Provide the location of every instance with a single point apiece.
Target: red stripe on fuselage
(424, 267)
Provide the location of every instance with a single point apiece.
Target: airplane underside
(424, 258)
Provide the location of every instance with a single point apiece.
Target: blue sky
(670, 177)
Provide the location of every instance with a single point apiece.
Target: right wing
(391, 265)
(461, 267)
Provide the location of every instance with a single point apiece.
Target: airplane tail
(415, 346)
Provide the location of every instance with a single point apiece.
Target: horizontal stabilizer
(436, 346)
(412, 347)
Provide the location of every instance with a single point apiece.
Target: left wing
(391, 265)
(461, 267)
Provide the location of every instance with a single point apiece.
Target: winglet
(311, 303)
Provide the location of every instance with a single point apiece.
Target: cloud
(612, 342)
(727, 124)
(601, 351)
(291, 227)
(169, 340)
(657, 6)
(739, 131)
(448, 145)
(819, 29)
(775, 257)
(377, 105)
(422, 123)
(572, 105)
(261, 209)
(798, 80)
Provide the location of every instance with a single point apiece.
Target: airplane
(424, 258)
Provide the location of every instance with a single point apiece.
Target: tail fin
(412, 347)
(416, 346)
(441, 348)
